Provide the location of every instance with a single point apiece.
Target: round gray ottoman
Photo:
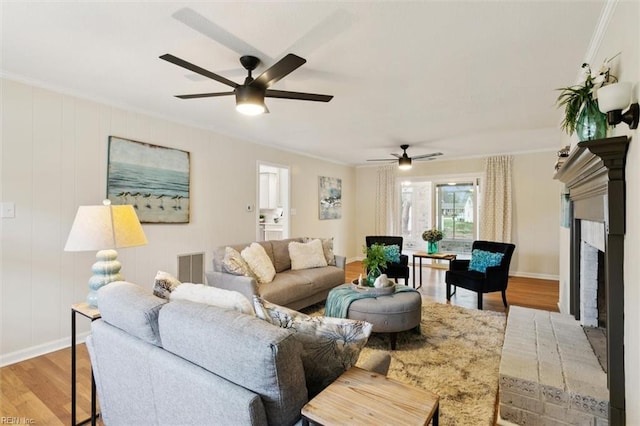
(389, 314)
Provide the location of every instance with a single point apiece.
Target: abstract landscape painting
(330, 194)
(152, 178)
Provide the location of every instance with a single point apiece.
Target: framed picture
(152, 178)
(330, 197)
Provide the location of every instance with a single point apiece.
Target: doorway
(273, 191)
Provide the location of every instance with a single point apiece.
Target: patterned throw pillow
(219, 297)
(481, 260)
(327, 248)
(165, 283)
(306, 255)
(259, 262)
(330, 345)
(392, 253)
(233, 263)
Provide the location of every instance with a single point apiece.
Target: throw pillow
(392, 253)
(164, 284)
(306, 255)
(233, 263)
(481, 260)
(330, 345)
(259, 262)
(327, 248)
(222, 298)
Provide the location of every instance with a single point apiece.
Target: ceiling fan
(404, 161)
(250, 95)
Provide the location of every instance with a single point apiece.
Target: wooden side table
(424, 255)
(93, 314)
(360, 397)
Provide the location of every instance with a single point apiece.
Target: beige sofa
(295, 289)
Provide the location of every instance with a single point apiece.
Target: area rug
(456, 355)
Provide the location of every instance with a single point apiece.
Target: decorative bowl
(373, 290)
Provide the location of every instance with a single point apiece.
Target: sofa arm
(247, 286)
(378, 362)
(340, 261)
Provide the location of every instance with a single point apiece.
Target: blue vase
(591, 124)
(432, 247)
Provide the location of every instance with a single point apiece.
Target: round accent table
(391, 313)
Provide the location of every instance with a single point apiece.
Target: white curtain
(387, 201)
(496, 214)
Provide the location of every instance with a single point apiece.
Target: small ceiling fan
(404, 161)
(250, 95)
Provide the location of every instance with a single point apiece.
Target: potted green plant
(432, 236)
(581, 112)
(374, 260)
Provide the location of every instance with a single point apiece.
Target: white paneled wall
(54, 158)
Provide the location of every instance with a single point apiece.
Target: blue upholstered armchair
(487, 271)
(393, 270)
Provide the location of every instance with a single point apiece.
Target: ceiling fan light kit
(404, 163)
(250, 100)
(250, 95)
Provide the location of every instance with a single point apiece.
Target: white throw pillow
(327, 246)
(219, 297)
(259, 262)
(306, 255)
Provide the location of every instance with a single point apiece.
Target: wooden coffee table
(360, 397)
(424, 255)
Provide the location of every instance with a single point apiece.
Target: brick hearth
(549, 374)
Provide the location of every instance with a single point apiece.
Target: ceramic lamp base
(105, 270)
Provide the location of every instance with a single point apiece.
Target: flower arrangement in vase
(432, 236)
(580, 103)
(374, 260)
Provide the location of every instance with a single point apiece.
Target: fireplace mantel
(594, 175)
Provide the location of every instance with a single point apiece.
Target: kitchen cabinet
(269, 190)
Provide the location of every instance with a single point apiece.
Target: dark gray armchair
(495, 278)
(393, 270)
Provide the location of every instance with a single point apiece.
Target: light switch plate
(8, 210)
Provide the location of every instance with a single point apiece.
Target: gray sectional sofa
(293, 289)
(169, 363)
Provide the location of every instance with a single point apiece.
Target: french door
(449, 206)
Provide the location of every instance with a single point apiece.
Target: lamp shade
(614, 97)
(105, 227)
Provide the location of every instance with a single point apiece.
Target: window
(451, 207)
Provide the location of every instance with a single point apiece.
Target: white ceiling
(465, 78)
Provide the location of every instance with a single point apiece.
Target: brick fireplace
(594, 175)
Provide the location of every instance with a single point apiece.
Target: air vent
(191, 268)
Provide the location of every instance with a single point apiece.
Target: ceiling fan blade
(396, 155)
(278, 70)
(389, 160)
(191, 67)
(284, 94)
(434, 154)
(205, 95)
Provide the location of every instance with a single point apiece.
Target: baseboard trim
(45, 348)
(535, 275)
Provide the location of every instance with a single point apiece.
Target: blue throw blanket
(340, 298)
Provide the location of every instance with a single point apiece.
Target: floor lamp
(104, 228)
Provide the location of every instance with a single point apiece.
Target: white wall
(623, 35)
(54, 158)
(536, 206)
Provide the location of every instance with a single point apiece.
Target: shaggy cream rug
(456, 355)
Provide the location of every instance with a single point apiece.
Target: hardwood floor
(38, 391)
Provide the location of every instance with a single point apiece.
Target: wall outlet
(249, 207)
